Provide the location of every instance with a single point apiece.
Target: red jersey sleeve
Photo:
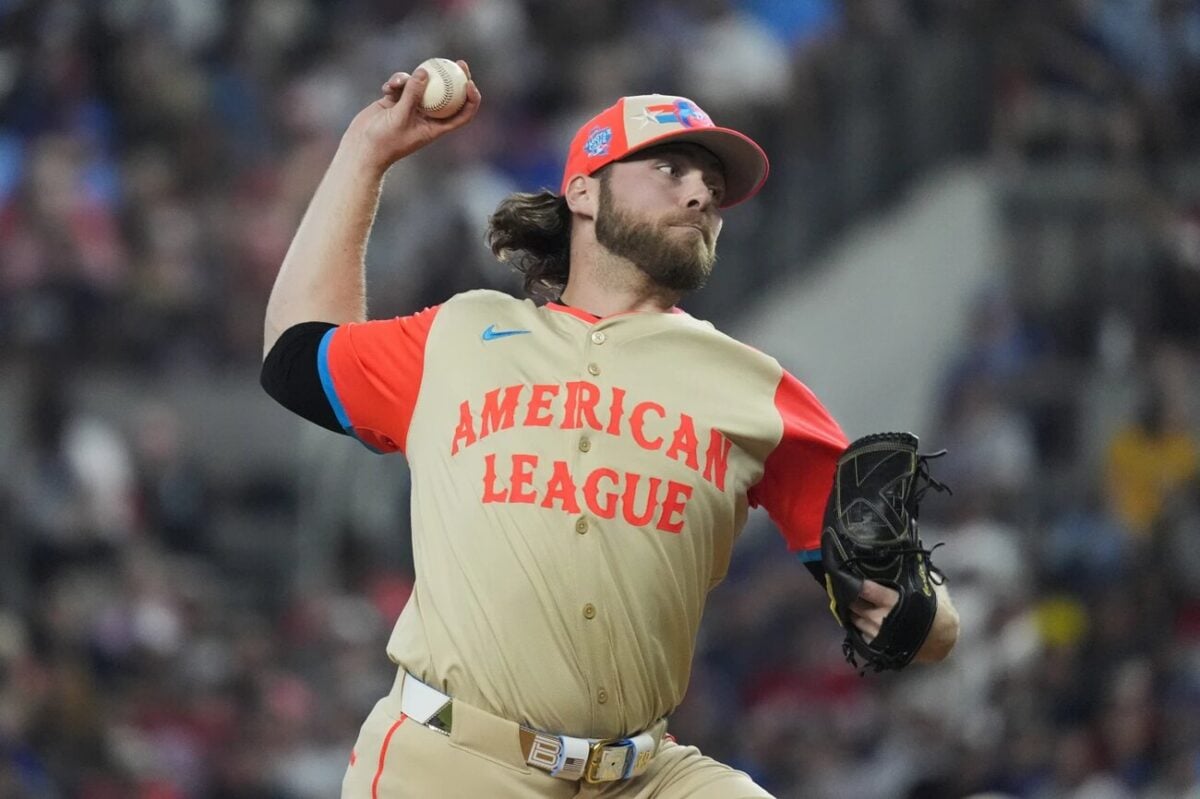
(798, 473)
(371, 373)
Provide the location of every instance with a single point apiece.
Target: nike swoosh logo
(491, 333)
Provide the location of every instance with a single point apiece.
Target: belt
(562, 756)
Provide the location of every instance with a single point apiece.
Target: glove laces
(924, 481)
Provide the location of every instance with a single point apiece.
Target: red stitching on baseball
(446, 85)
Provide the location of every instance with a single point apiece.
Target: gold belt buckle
(606, 762)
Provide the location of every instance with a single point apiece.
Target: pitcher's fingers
(873, 617)
(878, 594)
(466, 69)
(414, 89)
(473, 99)
(468, 111)
(392, 88)
(396, 82)
(868, 629)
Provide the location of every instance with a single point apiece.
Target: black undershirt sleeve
(290, 376)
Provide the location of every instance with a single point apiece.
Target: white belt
(563, 756)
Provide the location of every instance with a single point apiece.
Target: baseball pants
(396, 758)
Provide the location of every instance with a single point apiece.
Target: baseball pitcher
(582, 465)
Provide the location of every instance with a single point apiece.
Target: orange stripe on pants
(387, 740)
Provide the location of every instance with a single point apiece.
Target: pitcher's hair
(532, 232)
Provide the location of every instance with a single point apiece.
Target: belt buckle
(607, 760)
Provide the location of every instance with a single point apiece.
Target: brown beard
(671, 264)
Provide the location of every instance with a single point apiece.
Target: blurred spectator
(174, 497)
(61, 259)
(1151, 457)
(994, 446)
(1064, 97)
(1084, 546)
(73, 488)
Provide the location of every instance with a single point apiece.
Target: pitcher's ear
(583, 196)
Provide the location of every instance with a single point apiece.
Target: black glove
(870, 532)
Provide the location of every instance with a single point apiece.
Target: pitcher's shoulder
(487, 298)
(713, 336)
(488, 303)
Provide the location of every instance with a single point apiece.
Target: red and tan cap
(645, 120)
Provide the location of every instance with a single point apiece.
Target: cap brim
(744, 162)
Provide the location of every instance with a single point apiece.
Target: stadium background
(983, 223)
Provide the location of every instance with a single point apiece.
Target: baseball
(447, 88)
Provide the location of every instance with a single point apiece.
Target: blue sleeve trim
(809, 555)
(339, 410)
(327, 382)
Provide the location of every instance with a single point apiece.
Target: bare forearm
(322, 276)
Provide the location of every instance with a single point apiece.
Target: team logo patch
(598, 142)
(680, 112)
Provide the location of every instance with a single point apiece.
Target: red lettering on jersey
(581, 400)
(582, 397)
(562, 488)
(561, 492)
(685, 442)
(465, 432)
(630, 496)
(539, 403)
(716, 460)
(637, 419)
(677, 496)
(602, 505)
(522, 475)
(496, 414)
(490, 492)
(616, 411)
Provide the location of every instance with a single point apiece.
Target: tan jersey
(578, 484)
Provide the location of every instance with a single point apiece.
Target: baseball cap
(645, 120)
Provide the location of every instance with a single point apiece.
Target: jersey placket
(587, 452)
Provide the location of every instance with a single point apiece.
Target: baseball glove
(870, 532)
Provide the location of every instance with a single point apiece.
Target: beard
(670, 261)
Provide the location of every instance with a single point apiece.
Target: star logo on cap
(677, 111)
(643, 117)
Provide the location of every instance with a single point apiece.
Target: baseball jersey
(577, 487)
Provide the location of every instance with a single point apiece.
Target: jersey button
(585, 444)
(581, 526)
(593, 369)
(589, 611)
(599, 337)
(602, 696)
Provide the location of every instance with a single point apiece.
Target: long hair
(533, 233)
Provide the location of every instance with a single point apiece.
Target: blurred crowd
(171, 628)
(156, 154)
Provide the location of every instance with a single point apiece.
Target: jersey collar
(592, 319)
